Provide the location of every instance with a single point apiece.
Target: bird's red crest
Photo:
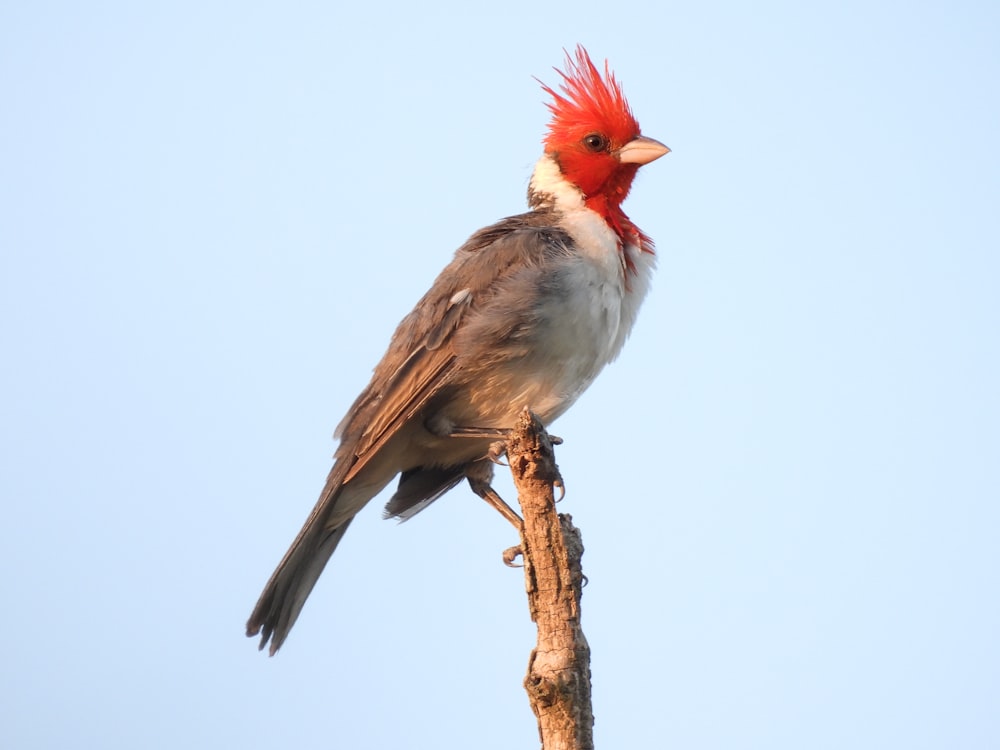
(589, 101)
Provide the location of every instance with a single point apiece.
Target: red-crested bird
(527, 314)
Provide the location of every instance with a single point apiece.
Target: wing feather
(421, 359)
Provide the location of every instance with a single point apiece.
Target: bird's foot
(511, 554)
(496, 453)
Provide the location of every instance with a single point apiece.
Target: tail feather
(292, 581)
(286, 592)
(420, 487)
(290, 584)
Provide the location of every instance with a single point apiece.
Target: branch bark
(558, 679)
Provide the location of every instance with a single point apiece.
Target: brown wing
(421, 359)
(427, 368)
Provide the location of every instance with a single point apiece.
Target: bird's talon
(511, 554)
(497, 451)
(562, 489)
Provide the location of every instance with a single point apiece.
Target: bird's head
(593, 136)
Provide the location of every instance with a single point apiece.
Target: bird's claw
(511, 554)
(561, 487)
(497, 451)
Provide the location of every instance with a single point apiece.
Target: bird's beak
(641, 150)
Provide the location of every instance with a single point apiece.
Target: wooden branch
(558, 679)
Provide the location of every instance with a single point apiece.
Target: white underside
(588, 327)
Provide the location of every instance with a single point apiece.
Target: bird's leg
(493, 433)
(497, 448)
(480, 474)
(498, 433)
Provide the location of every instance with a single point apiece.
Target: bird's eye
(595, 142)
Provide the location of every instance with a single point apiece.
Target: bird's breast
(554, 328)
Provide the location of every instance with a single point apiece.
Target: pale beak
(641, 150)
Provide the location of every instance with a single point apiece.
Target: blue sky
(212, 216)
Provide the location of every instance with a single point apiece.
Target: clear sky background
(212, 215)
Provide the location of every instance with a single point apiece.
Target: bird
(527, 314)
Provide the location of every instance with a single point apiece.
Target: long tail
(292, 581)
(289, 586)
